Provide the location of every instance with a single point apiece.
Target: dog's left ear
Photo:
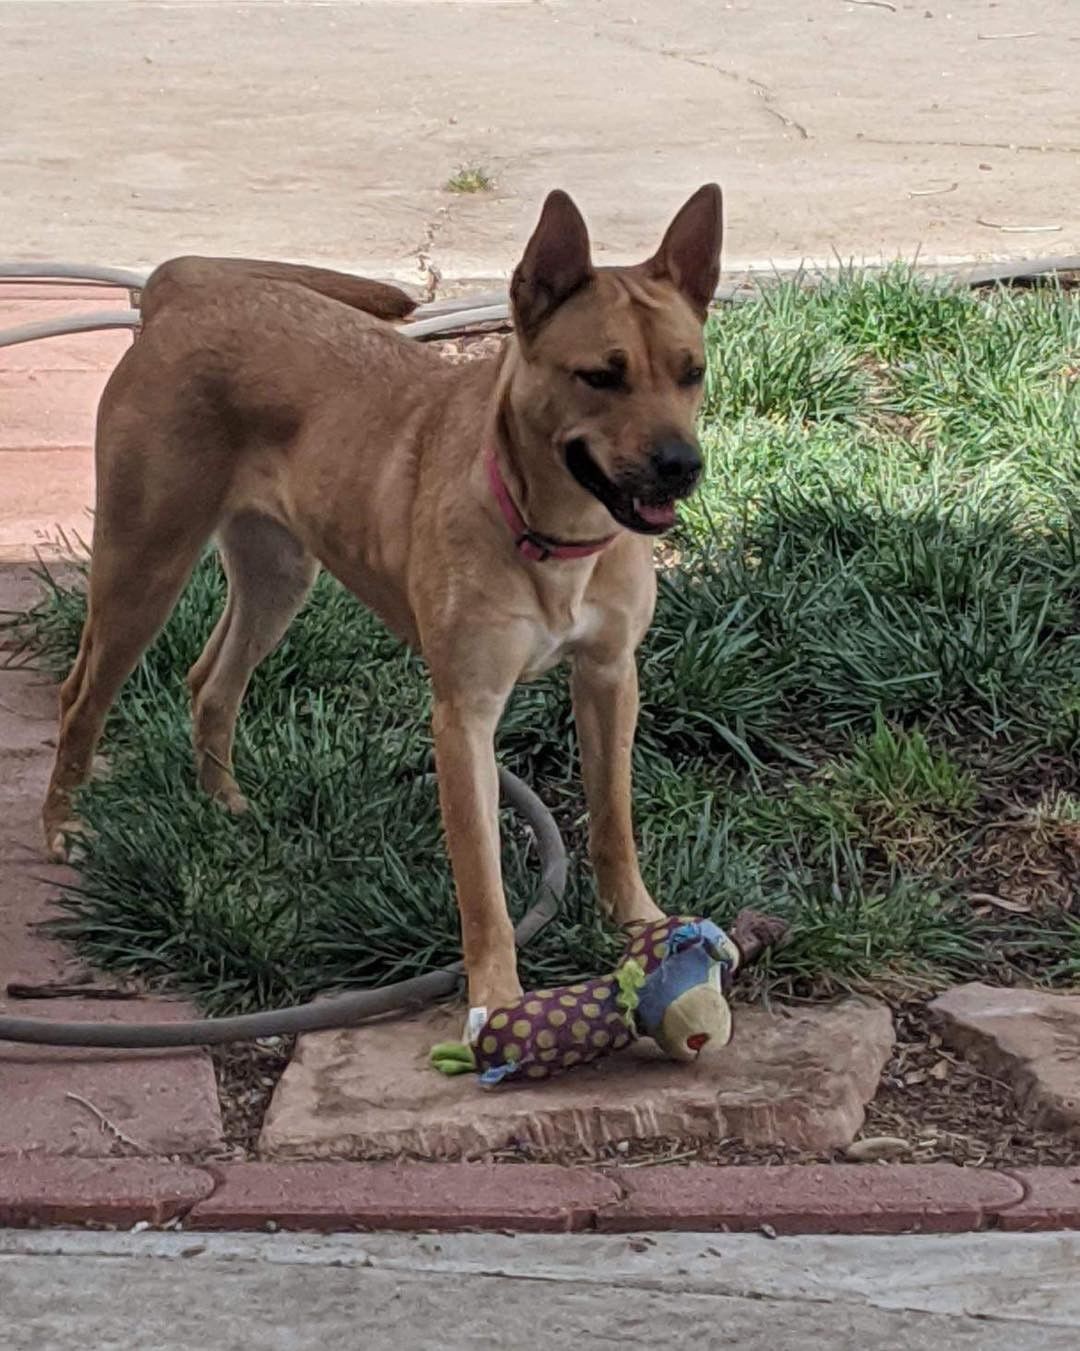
(689, 255)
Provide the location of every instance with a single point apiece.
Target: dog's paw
(234, 802)
(61, 838)
(229, 798)
(218, 783)
(642, 910)
(56, 846)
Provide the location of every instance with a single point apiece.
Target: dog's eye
(693, 376)
(608, 377)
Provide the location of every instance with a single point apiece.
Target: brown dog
(496, 515)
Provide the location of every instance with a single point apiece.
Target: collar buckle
(533, 547)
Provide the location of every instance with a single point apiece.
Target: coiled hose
(343, 1010)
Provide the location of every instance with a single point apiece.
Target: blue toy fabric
(695, 948)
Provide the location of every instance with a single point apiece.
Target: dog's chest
(556, 636)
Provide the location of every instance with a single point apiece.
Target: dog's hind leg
(270, 575)
(141, 560)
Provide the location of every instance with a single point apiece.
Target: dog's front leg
(464, 725)
(605, 693)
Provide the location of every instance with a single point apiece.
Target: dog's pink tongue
(664, 515)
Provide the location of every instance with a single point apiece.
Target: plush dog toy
(671, 984)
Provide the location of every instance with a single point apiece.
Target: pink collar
(536, 548)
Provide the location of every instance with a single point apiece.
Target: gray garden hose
(73, 323)
(440, 318)
(343, 1010)
(93, 273)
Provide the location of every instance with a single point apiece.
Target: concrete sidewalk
(188, 1292)
(328, 130)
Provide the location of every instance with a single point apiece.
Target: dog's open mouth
(637, 510)
(660, 517)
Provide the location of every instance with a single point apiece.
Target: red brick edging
(42, 1190)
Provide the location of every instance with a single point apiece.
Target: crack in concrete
(1047, 148)
(757, 87)
(430, 271)
(720, 1290)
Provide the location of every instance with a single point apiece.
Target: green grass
(470, 178)
(865, 664)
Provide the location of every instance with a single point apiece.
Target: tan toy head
(699, 1018)
(682, 1003)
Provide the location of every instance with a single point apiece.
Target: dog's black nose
(677, 464)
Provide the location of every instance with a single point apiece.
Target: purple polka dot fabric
(552, 1030)
(648, 943)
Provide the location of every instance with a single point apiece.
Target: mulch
(247, 1074)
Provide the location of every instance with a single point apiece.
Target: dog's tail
(373, 297)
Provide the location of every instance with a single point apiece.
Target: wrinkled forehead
(622, 311)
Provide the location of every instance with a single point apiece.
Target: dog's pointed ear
(689, 255)
(556, 263)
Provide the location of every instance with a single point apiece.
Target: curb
(37, 1191)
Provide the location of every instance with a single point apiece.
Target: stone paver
(415, 1196)
(53, 409)
(53, 1101)
(800, 1080)
(49, 388)
(1051, 1200)
(45, 508)
(849, 129)
(841, 1198)
(49, 392)
(105, 1104)
(41, 1191)
(1029, 1037)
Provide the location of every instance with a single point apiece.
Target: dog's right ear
(556, 263)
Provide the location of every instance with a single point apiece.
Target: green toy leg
(453, 1057)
